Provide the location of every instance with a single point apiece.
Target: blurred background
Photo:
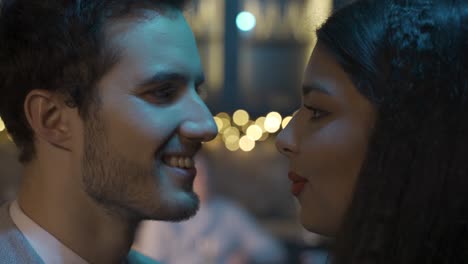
(254, 53)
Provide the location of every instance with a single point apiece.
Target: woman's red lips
(298, 183)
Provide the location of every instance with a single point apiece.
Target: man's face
(139, 141)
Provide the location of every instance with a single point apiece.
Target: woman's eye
(316, 113)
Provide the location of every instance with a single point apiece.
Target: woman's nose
(285, 141)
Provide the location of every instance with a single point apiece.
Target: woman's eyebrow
(308, 88)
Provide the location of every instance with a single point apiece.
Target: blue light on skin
(245, 21)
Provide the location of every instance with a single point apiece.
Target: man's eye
(163, 93)
(316, 113)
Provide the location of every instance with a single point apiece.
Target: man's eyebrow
(306, 89)
(171, 76)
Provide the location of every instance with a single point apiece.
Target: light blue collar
(135, 257)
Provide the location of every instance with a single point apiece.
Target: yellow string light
(2, 125)
(231, 131)
(246, 144)
(223, 115)
(254, 132)
(232, 143)
(240, 117)
(261, 122)
(273, 122)
(242, 133)
(246, 126)
(219, 123)
(286, 121)
(265, 136)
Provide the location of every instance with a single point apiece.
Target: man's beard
(122, 187)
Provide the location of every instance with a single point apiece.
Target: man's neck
(64, 210)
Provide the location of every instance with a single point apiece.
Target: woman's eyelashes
(316, 113)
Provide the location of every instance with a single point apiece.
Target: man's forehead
(117, 27)
(155, 48)
(159, 35)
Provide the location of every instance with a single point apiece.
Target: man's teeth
(181, 162)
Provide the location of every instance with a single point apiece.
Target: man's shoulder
(14, 248)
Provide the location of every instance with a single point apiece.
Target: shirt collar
(49, 248)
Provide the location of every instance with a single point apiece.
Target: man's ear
(45, 112)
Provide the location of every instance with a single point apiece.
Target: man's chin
(183, 216)
(179, 209)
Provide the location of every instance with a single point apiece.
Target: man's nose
(199, 124)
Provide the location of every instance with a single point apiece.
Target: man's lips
(181, 177)
(298, 183)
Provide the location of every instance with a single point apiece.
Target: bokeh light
(265, 136)
(232, 142)
(261, 122)
(240, 132)
(254, 132)
(223, 115)
(226, 124)
(286, 121)
(2, 125)
(246, 144)
(246, 21)
(246, 126)
(273, 122)
(240, 117)
(231, 131)
(219, 123)
(225, 119)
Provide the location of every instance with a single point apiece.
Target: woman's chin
(317, 225)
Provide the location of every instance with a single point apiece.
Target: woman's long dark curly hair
(410, 59)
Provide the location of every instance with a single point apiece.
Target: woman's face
(326, 143)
